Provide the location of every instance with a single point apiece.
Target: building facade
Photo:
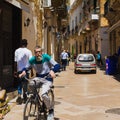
(11, 22)
(112, 9)
(88, 17)
(37, 21)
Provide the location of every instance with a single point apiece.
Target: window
(85, 58)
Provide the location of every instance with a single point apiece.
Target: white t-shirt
(22, 56)
(64, 55)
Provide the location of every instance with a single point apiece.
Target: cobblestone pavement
(81, 97)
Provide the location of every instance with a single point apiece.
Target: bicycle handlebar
(32, 79)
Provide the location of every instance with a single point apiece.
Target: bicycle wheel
(51, 96)
(31, 110)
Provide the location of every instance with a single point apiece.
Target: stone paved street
(81, 97)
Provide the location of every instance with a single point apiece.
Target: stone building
(38, 21)
(87, 19)
(15, 24)
(112, 9)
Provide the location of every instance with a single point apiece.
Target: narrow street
(75, 26)
(81, 97)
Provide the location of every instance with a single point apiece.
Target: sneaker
(19, 100)
(50, 115)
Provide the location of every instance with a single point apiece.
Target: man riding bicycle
(44, 64)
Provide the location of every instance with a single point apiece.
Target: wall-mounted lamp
(27, 22)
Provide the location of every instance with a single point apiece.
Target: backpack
(98, 56)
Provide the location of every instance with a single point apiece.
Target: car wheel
(75, 71)
(94, 71)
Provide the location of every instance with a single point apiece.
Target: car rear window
(85, 58)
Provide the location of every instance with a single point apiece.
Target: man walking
(99, 59)
(21, 61)
(64, 57)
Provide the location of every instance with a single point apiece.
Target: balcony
(94, 26)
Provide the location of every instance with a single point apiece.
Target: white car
(85, 63)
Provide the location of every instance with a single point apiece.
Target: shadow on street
(116, 76)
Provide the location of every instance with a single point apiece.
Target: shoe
(24, 100)
(19, 100)
(50, 115)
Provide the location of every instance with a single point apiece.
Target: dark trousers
(64, 63)
(22, 84)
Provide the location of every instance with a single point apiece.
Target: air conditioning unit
(46, 3)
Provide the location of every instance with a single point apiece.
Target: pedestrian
(99, 58)
(44, 65)
(68, 60)
(64, 57)
(21, 61)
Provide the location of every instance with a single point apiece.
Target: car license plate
(86, 68)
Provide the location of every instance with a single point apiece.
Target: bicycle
(35, 108)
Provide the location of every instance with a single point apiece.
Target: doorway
(10, 35)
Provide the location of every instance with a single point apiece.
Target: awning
(114, 26)
(24, 4)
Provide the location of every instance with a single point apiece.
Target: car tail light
(78, 64)
(94, 65)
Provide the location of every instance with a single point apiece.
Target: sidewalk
(12, 93)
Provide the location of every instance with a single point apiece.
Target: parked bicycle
(35, 108)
